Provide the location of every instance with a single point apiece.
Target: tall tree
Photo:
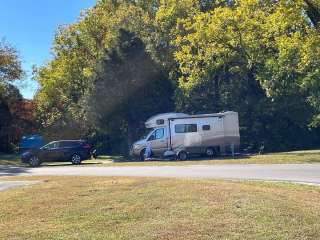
(10, 63)
(10, 70)
(77, 50)
(128, 87)
(260, 58)
(313, 11)
(251, 56)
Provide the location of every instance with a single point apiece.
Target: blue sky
(29, 25)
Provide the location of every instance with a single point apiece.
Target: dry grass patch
(150, 208)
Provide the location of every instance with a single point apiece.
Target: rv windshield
(148, 132)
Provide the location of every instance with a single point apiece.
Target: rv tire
(210, 152)
(142, 157)
(182, 156)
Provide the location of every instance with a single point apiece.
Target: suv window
(69, 143)
(185, 128)
(51, 145)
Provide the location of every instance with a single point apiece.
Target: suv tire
(76, 159)
(34, 161)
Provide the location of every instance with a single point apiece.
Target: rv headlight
(136, 146)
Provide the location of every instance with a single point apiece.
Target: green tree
(77, 49)
(260, 58)
(247, 58)
(10, 70)
(313, 11)
(10, 63)
(128, 88)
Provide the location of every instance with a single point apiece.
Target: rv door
(158, 141)
(184, 134)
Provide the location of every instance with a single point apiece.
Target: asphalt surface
(299, 173)
(4, 185)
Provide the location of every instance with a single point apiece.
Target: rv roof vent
(160, 121)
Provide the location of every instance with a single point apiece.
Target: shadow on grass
(10, 159)
(121, 159)
(313, 160)
(62, 164)
(299, 153)
(114, 158)
(15, 160)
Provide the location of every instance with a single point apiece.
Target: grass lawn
(10, 159)
(151, 208)
(312, 156)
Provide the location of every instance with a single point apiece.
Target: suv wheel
(76, 159)
(34, 161)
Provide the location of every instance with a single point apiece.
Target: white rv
(210, 134)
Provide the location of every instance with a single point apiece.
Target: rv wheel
(182, 156)
(142, 157)
(210, 152)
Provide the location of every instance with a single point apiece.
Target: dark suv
(66, 150)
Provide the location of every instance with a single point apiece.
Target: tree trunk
(217, 93)
(313, 12)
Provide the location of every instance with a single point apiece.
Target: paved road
(14, 184)
(304, 173)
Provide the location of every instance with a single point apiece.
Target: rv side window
(179, 128)
(206, 127)
(192, 128)
(160, 121)
(184, 128)
(159, 133)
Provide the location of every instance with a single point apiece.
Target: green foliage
(10, 64)
(255, 58)
(127, 88)
(260, 58)
(10, 70)
(77, 50)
